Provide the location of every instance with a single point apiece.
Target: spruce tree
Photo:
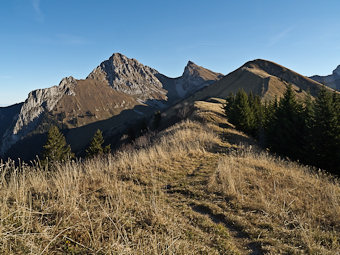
(326, 132)
(245, 120)
(259, 116)
(251, 99)
(229, 108)
(336, 100)
(56, 149)
(284, 130)
(307, 135)
(246, 112)
(96, 145)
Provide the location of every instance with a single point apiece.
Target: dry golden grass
(190, 190)
(112, 205)
(286, 207)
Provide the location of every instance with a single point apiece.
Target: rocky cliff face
(332, 80)
(194, 78)
(129, 76)
(41, 100)
(38, 101)
(116, 85)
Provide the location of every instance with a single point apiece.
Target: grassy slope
(192, 190)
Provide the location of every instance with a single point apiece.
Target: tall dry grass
(285, 205)
(109, 205)
(219, 201)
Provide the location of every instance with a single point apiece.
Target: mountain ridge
(121, 91)
(117, 84)
(331, 80)
(265, 78)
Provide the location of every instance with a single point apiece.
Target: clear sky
(42, 41)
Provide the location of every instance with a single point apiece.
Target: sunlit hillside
(198, 187)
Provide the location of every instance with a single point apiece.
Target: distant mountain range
(121, 91)
(116, 93)
(262, 77)
(332, 80)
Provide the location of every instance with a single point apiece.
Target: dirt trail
(188, 186)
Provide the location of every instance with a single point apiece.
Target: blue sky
(42, 41)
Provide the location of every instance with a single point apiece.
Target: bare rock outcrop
(38, 101)
(194, 78)
(332, 80)
(129, 76)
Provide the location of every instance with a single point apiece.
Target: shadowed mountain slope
(332, 80)
(117, 84)
(8, 116)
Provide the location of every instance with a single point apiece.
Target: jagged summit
(118, 84)
(191, 69)
(191, 65)
(129, 76)
(194, 78)
(337, 71)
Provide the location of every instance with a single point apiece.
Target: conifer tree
(308, 110)
(245, 112)
(307, 149)
(56, 149)
(230, 108)
(244, 115)
(336, 100)
(259, 115)
(96, 145)
(307, 131)
(251, 99)
(284, 130)
(326, 132)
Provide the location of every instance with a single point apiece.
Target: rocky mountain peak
(118, 83)
(37, 102)
(194, 78)
(191, 64)
(118, 59)
(129, 76)
(191, 69)
(336, 72)
(67, 85)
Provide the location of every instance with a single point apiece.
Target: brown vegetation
(261, 77)
(87, 105)
(192, 190)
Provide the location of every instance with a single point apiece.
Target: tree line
(305, 130)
